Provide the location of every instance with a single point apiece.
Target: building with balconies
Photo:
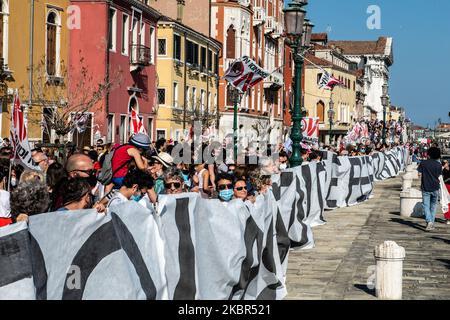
(251, 30)
(118, 40)
(187, 79)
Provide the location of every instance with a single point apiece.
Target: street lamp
(384, 102)
(331, 118)
(294, 18)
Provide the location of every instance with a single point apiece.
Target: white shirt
(5, 209)
(117, 199)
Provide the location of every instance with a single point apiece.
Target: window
(53, 45)
(210, 61)
(122, 128)
(161, 96)
(203, 58)
(231, 43)
(194, 98)
(112, 29)
(175, 95)
(160, 134)
(134, 39)
(125, 33)
(142, 40)
(152, 44)
(320, 111)
(188, 97)
(216, 63)
(202, 100)
(191, 52)
(110, 137)
(162, 47)
(150, 128)
(177, 47)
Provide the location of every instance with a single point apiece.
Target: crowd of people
(104, 175)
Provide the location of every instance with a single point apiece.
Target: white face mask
(283, 166)
(13, 182)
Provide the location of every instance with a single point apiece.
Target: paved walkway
(340, 264)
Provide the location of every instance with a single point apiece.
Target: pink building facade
(117, 43)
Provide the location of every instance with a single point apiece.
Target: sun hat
(165, 159)
(140, 140)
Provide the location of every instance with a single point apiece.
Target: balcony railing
(270, 25)
(259, 16)
(140, 55)
(278, 30)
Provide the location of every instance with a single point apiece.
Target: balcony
(278, 30)
(259, 16)
(140, 56)
(5, 73)
(270, 25)
(244, 3)
(274, 81)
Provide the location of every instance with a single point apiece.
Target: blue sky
(421, 32)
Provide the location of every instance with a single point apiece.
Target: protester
(174, 182)
(240, 190)
(125, 154)
(225, 187)
(41, 160)
(158, 165)
(32, 175)
(283, 160)
(446, 177)
(5, 208)
(81, 166)
(76, 195)
(201, 180)
(429, 171)
(28, 199)
(134, 187)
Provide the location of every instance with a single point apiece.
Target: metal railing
(140, 55)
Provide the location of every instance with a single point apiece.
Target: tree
(69, 104)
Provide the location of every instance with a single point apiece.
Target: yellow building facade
(187, 79)
(33, 33)
(317, 101)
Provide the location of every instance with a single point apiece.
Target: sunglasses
(225, 186)
(175, 185)
(91, 172)
(241, 188)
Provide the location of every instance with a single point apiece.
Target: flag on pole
(19, 137)
(328, 81)
(244, 73)
(136, 123)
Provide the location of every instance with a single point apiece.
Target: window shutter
(231, 43)
(51, 50)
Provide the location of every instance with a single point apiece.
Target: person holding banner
(446, 177)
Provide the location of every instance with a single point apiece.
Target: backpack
(106, 174)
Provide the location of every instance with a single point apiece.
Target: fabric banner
(310, 130)
(191, 248)
(244, 73)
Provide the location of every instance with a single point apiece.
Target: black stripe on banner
(300, 217)
(332, 203)
(185, 289)
(39, 269)
(269, 292)
(336, 159)
(352, 181)
(131, 248)
(15, 261)
(320, 169)
(306, 173)
(283, 241)
(365, 180)
(276, 191)
(286, 179)
(252, 234)
(98, 246)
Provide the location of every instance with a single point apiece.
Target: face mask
(226, 195)
(13, 182)
(185, 177)
(136, 198)
(283, 166)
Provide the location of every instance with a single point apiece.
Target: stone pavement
(342, 262)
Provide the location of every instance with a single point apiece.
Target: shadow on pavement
(445, 261)
(363, 287)
(395, 213)
(409, 224)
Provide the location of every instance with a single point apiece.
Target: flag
(328, 82)
(19, 138)
(310, 130)
(245, 73)
(136, 123)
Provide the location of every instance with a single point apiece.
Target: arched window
(53, 43)
(320, 111)
(231, 43)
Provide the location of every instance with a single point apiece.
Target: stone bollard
(389, 271)
(407, 181)
(409, 200)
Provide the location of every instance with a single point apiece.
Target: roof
(362, 47)
(312, 60)
(319, 37)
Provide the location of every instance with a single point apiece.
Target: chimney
(180, 8)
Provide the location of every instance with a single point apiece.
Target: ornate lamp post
(299, 34)
(384, 103)
(331, 114)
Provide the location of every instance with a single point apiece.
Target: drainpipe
(108, 7)
(185, 82)
(31, 53)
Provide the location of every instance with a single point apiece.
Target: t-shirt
(120, 160)
(117, 199)
(5, 209)
(430, 170)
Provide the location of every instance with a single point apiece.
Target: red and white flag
(310, 128)
(244, 73)
(19, 138)
(136, 125)
(328, 82)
